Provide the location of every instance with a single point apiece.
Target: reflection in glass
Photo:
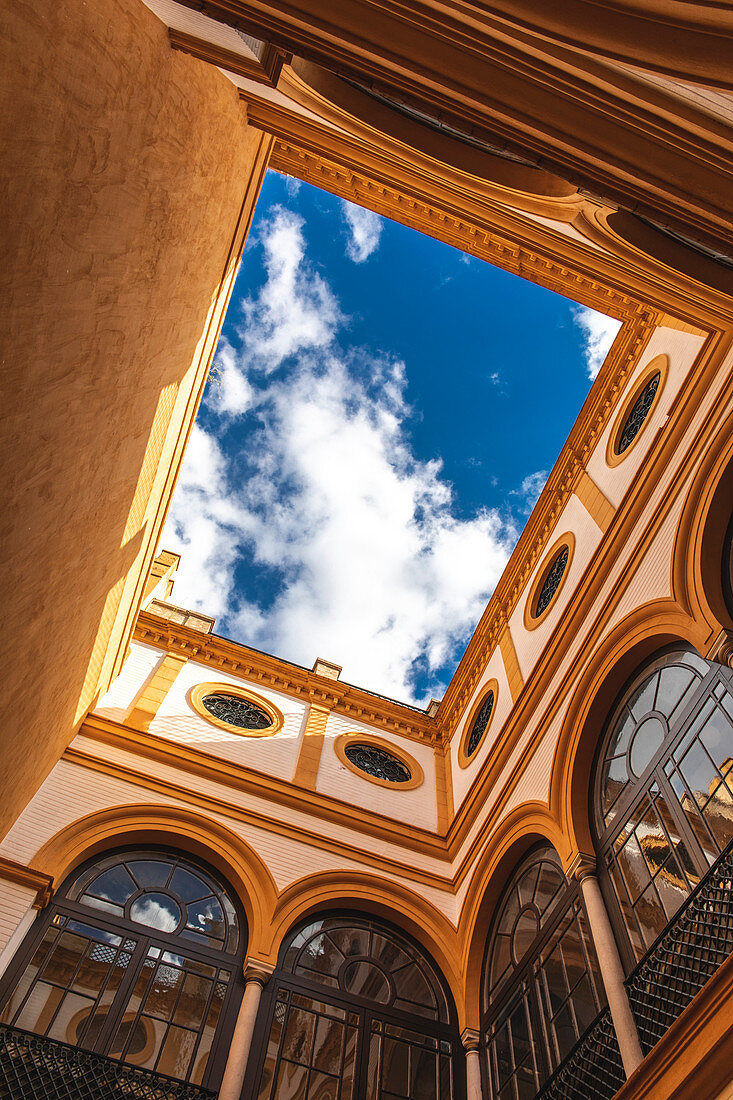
(664, 810)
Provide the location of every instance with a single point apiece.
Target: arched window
(663, 792)
(138, 958)
(356, 1012)
(541, 988)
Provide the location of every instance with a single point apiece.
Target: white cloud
(378, 571)
(530, 489)
(599, 333)
(365, 227)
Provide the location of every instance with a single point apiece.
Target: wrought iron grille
(237, 712)
(593, 1070)
(378, 762)
(552, 581)
(639, 413)
(692, 947)
(480, 724)
(36, 1068)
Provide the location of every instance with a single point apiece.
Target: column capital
(257, 971)
(581, 866)
(721, 650)
(471, 1039)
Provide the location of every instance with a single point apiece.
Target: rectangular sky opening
(382, 414)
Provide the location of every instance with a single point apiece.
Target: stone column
(471, 1042)
(256, 976)
(609, 961)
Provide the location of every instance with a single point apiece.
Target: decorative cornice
(268, 671)
(26, 876)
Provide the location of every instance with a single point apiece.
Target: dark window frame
(524, 982)
(145, 938)
(367, 1010)
(631, 800)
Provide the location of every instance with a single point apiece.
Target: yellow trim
(532, 621)
(595, 502)
(511, 663)
(146, 705)
(463, 758)
(416, 772)
(660, 364)
(196, 698)
(444, 787)
(309, 758)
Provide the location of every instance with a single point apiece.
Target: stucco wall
(124, 170)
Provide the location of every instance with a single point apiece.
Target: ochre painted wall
(126, 170)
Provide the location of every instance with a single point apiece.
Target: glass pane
(671, 887)
(411, 984)
(70, 1017)
(273, 1045)
(387, 953)
(150, 873)
(193, 1002)
(321, 955)
(676, 685)
(351, 941)
(39, 1010)
(175, 1057)
(162, 996)
(206, 916)
(156, 911)
(643, 700)
(299, 1032)
(551, 880)
(320, 1085)
(525, 933)
(292, 1082)
(423, 1074)
(584, 1004)
(347, 1084)
(573, 955)
(699, 772)
(327, 1046)
(651, 916)
(633, 867)
(395, 1066)
(188, 886)
(564, 1029)
(648, 739)
(366, 980)
(719, 812)
(114, 885)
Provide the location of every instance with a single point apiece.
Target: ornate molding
(471, 1039)
(257, 971)
(721, 650)
(582, 866)
(258, 668)
(27, 876)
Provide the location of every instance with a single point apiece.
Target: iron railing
(593, 1070)
(33, 1067)
(694, 944)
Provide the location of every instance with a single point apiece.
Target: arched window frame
(70, 910)
(524, 985)
(368, 1019)
(692, 862)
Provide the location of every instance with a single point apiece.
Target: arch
(147, 824)
(698, 546)
(524, 827)
(644, 631)
(378, 897)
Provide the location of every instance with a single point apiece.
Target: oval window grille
(236, 711)
(637, 416)
(481, 721)
(552, 581)
(378, 763)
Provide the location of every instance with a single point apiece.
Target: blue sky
(381, 416)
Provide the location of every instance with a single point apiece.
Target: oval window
(551, 582)
(639, 412)
(378, 763)
(236, 711)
